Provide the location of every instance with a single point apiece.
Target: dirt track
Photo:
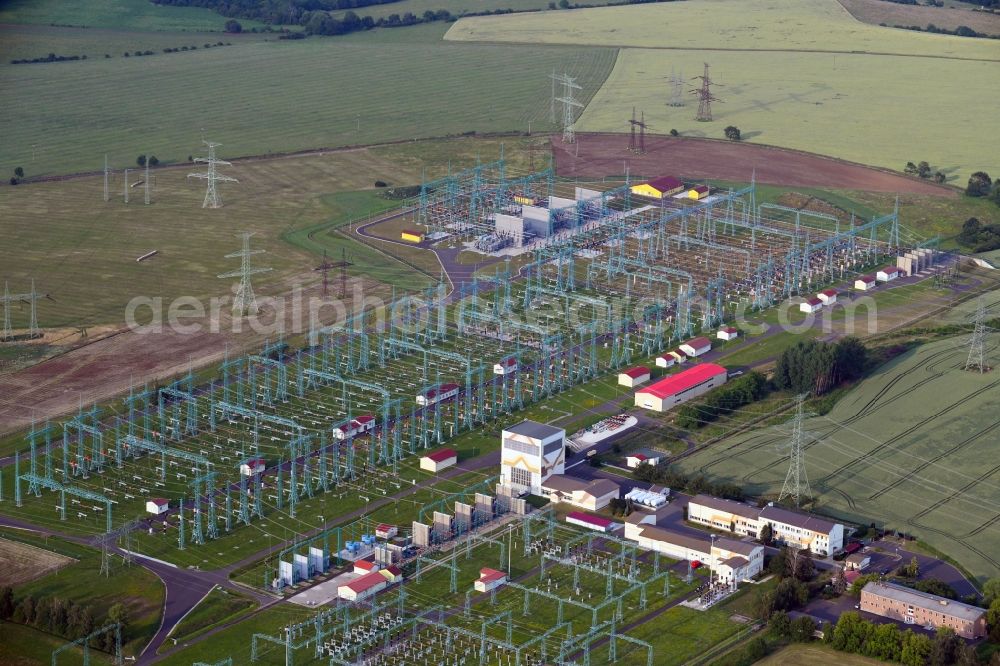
(602, 155)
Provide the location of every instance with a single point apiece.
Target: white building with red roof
(363, 587)
(489, 580)
(633, 376)
(439, 460)
(157, 506)
(507, 366)
(253, 466)
(827, 296)
(386, 531)
(596, 523)
(727, 333)
(865, 282)
(697, 346)
(633, 460)
(665, 361)
(889, 273)
(671, 391)
(364, 566)
(355, 427)
(811, 305)
(437, 394)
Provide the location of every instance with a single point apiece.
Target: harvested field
(802, 75)
(718, 25)
(891, 13)
(913, 447)
(24, 563)
(602, 155)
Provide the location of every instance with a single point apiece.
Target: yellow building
(698, 193)
(525, 200)
(411, 236)
(658, 188)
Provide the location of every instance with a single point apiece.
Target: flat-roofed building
(914, 607)
(731, 560)
(724, 514)
(530, 453)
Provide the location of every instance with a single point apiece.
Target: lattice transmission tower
(244, 301)
(796, 483)
(212, 176)
(676, 89)
(569, 104)
(640, 145)
(705, 97)
(977, 343)
(31, 298)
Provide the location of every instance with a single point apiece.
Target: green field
(906, 448)
(122, 14)
(836, 77)
(815, 654)
(263, 97)
(82, 250)
(139, 589)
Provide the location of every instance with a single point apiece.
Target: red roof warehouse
(675, 389)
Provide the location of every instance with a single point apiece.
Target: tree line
(672, 477)
(729, 397)
(812, 366)
(64, 618)
(798, 582)
(315, 17)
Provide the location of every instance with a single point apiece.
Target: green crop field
(122, 14)
(263, 97)
(839, 91)
(912, 447)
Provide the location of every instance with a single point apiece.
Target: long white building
(731, 560)
(530, 454)
(798, 530)
(802, 530)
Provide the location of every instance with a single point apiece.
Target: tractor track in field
(982, 526)
(914, 520)
(927, 463)
(908, 431)
(866, 409)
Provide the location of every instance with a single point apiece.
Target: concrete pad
(323, 593)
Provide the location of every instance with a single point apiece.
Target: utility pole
(705, 97)
(211, 176)
(977, 343)
(244, 302)
(125, 186)
(796, 482)
(106, 194)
